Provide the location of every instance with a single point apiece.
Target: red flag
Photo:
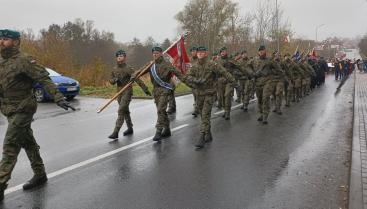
(178, 56)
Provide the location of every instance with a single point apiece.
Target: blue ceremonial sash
(158, 79)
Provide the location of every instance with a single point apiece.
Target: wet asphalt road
(300, 160)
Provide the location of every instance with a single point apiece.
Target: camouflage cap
(223, 49)
(157, 49)
(194, 48)
(120, 52)
(6, 33)
(262, 47)
(202, 48)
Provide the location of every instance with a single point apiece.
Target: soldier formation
(212, 79)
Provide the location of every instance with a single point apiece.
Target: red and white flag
(178, 56)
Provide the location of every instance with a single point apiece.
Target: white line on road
(92, 160)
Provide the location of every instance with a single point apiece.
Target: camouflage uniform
(203, 77)
(246, 82)
(264, 69)
(194, 92)
(288, 67)
(172, 101)
(121, 75)
(299, 75)
(161, 94)
(225, 88)
(310, 72)
(278, 91)
(18, 73)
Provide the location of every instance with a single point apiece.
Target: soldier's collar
(122, 64)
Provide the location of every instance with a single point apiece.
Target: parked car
(67, 86)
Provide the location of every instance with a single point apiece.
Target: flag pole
(140, 73)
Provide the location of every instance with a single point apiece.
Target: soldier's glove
(235, 85)
(147, 92)
(113, 80)
(199, 81)
(65, 105)
(257, 75)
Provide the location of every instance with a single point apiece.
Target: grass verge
(109, 91)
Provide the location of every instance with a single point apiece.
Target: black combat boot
(265, 119)
(260, 118)
(158, 135)
(280, 112)
(228, 116)
(200, 143)
(171, 111)
(208, 137)
(36, 180)
(114, 135)
(2, 190)
(166, 132)
(128, 131)
(195, 114)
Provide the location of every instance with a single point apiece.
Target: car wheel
(69, 98)
(39, 93)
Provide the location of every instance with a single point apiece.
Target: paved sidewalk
(358, 178)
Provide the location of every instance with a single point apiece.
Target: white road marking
(92, 160)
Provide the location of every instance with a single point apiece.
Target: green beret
(201, 48)
(157, 49)
(120, 52)
(223, 49)
(194, 48)
(6, 33)
(262, 47)
(215, 53)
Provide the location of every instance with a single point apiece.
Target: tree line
(78, 49)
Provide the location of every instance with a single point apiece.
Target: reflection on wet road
(299, 160)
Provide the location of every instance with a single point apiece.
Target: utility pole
(277, 25)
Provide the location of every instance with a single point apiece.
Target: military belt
(16, 94)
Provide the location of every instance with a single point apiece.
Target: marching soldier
(288, 66)
(278, 80)
(246, 82)
(121, 75)
(193, 60)
(18, 73)
(203, 76)
(299, 75)
(264, 69)
(160, 74)
(225, 89)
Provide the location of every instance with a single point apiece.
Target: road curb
(359, 136)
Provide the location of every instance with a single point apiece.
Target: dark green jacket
(121, 75)
(208, 71)
(18, 75)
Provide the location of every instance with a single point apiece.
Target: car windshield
(52, 72)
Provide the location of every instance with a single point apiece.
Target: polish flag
(177, 55)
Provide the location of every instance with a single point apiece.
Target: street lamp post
(277, 25)
(317, 28)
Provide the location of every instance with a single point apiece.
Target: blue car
(67, 86)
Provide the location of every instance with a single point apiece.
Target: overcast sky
(137, 18)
